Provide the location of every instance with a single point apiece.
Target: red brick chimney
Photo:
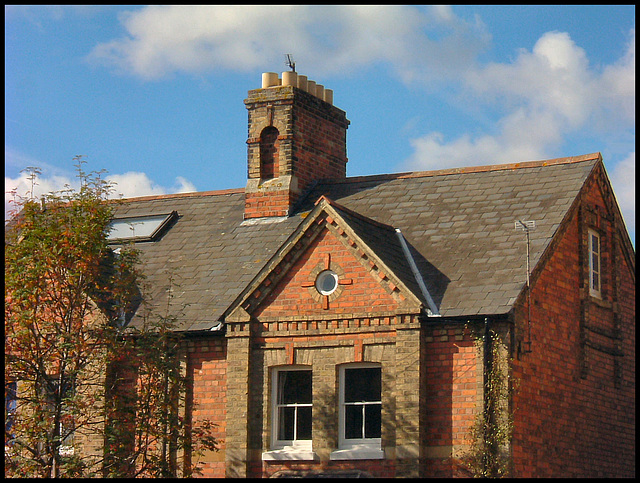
(296, 136)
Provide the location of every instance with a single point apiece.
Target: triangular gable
(599, 177)
(392, 248)
(606, 190)
(373, 244)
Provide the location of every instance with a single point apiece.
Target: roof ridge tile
(469, 169)
(190, 194)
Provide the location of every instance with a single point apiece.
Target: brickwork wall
(320, 141)
(323, 351)
(575, 403)
(267, 203)
(311, 146)
(375, 468)
(206, 369)
(362, 322)
(575, 399)
(296, 295)
(237, 435)
(408, 392)
(453, 380)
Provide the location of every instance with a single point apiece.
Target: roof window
(140, 228)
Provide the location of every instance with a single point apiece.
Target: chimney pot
(311, 87)
(302, 82)
(290, 79)
(328, 96)
(269, 79)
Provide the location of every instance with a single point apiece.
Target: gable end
(325, 220)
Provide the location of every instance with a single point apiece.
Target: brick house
(336, 324)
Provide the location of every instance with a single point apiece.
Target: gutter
(432, 310)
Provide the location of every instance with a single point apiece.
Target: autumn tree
(68, 301)
(146, 441)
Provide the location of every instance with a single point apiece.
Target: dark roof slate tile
(459, 225)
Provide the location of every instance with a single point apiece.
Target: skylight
(140, 228)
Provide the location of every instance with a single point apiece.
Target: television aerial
(290, 62)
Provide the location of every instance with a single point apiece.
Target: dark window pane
(304, 423)
(595, 243)
(372, 421)
(285, 420)
(353, 422)
(294, 387)
(362, 384)
(327, 282)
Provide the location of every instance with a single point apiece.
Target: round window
(327, 282)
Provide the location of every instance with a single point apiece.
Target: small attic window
(594, 264)
(327, 282)
(140, 228)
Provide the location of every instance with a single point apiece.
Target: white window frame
(595, 258)
(361, 448)
(139, 228)
(295, 449)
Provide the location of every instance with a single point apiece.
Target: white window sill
(358, 453)
(289, 453)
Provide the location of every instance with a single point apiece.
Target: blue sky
(154, 95)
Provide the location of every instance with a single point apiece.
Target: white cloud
(618, 89)
(22, 187)
(556, 77)
(432, 151)
(544, 95)
(623, 179)
(553, 79)
(133, 184)
(128, 185)
(329, 39)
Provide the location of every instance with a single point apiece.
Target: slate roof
(459, 225)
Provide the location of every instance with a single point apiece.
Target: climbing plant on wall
(490, 435)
